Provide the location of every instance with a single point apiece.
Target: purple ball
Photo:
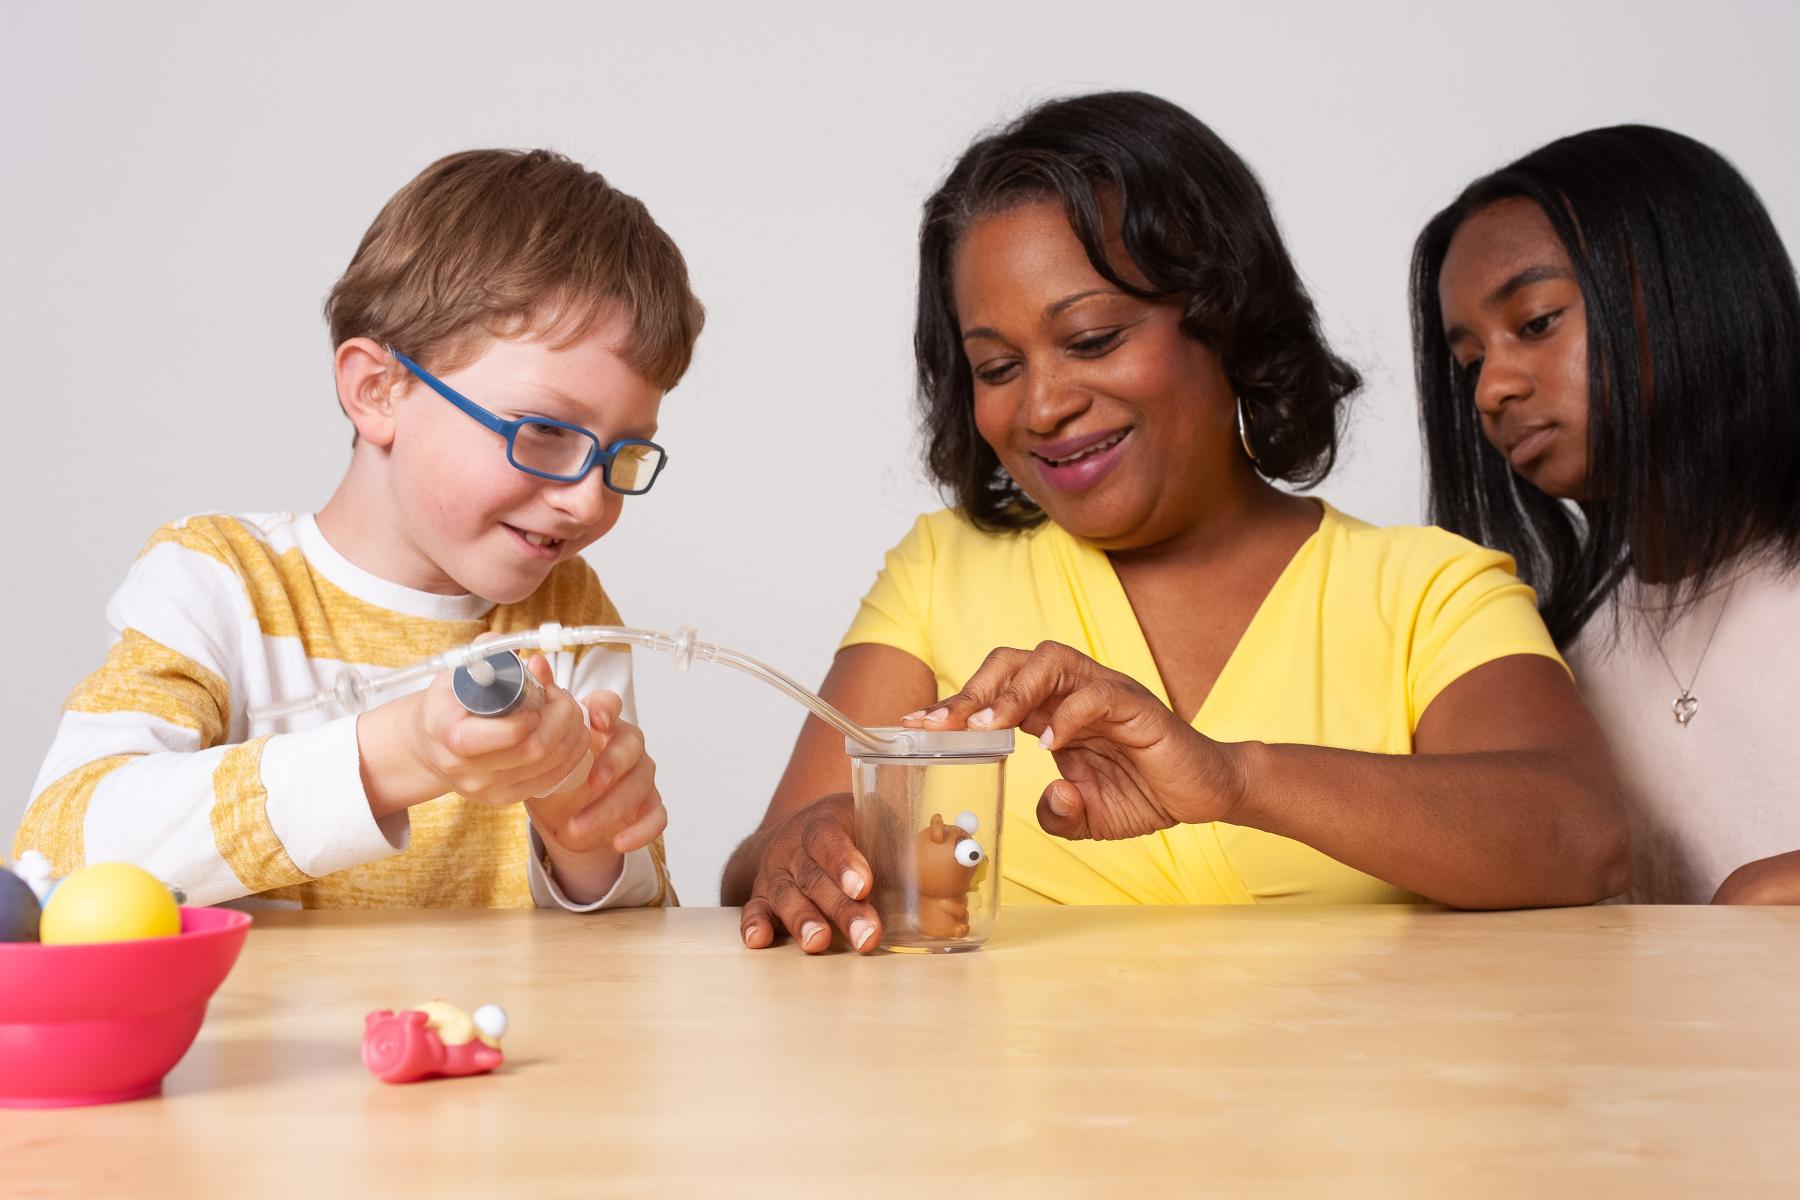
(18, 909)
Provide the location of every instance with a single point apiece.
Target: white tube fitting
(686, 639)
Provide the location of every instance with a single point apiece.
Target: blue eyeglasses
(558, 450)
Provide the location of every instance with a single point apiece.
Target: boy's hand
(617, 809)
(589, 828)
(422, 745)
(501, 760)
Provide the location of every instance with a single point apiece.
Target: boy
(504, 336)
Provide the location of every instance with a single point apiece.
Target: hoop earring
(1244, 430)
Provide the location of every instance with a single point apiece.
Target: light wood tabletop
(1109, 1051)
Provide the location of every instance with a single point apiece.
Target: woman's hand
(1129, 765)
(809, 877)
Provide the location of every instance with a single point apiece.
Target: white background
(182, 183)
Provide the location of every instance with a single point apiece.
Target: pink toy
(435, 1040)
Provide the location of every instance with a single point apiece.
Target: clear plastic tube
(899, 743)
(354, 692)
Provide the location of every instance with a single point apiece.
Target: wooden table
(1627, 1051)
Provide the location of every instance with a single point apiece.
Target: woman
(1115, 357)
(1608, 340)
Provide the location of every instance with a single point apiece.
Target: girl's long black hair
(1693, 348)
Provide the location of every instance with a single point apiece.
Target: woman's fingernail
(1048, 738)
(861, 931)
(809, 931)
(752, 932)
(982, 719)
(937, 714)
(853, 884)
(1059, 803)
(913, 716)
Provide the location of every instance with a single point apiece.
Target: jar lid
(934, 744)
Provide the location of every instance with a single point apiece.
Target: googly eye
(968, 822)
(968, 852)
(491, 1020)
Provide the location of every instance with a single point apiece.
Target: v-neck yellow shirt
(1362, 630)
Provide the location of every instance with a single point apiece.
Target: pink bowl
(103, 1022)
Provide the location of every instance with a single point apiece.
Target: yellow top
(1359, 634)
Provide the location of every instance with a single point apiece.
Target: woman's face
(1121, 427)
(1517, 329)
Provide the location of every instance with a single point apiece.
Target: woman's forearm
(1491, 829)
(1772, 880)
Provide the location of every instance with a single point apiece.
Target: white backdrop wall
(183, 182)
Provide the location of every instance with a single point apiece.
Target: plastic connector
(351, 691)
(686, 639)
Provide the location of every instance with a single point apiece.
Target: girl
(1608, 344)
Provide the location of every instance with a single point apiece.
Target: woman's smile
(1076, 463)
(1073, 378)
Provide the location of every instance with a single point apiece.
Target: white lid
(926, 743)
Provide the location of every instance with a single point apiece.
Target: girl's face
(1120, 426)
(1514, 318)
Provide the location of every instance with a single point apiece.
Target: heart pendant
(1685, 708)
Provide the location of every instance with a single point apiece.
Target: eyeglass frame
(598, 456)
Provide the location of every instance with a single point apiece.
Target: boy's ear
(367, 381)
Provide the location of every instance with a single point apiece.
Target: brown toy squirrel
(945, 858)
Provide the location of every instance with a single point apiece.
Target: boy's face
(469, 514)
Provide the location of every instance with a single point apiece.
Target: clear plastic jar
(928, 821)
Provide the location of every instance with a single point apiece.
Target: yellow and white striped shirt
(156, 763)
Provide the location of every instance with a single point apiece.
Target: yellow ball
(109, 902)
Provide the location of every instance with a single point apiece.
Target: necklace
(1687, 704)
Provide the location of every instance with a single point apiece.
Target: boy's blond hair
(498, 243)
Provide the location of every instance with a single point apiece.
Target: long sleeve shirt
(156, 762)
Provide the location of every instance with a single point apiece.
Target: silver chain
(1687, 704)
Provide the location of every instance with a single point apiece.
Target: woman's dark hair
(1693, 352)
(1198, 229)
